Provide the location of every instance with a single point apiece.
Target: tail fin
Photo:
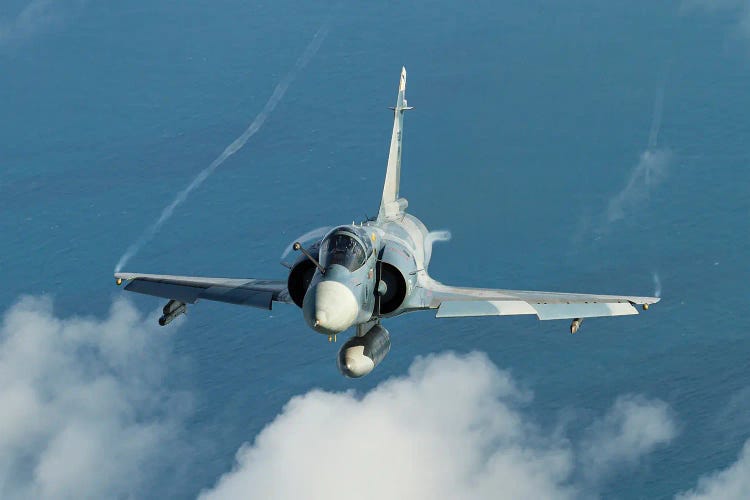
(391, 206)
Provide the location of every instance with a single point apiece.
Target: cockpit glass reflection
(342, 249)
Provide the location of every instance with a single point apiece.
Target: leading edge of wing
(188, 289)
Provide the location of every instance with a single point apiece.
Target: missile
(173, 309)
(171, 306)
(575, 325)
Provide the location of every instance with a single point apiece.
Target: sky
(579, 147)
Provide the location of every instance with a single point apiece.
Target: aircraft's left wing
(189, 289)
(452, 302)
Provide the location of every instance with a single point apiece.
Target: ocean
(527, 142)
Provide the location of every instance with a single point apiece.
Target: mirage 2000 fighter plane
(359, 274)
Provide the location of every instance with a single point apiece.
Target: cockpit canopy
(343, 248)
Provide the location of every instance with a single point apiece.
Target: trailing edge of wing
(460, 309)
(454, 302)
(189, 289)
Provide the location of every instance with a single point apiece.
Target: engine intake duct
(299, 280)
(393, 291)
(360, 355)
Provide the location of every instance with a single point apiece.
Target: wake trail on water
(278, 94)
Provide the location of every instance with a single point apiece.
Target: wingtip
(649, 302)
(644, 302)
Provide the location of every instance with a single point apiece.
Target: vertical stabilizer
(391, 206)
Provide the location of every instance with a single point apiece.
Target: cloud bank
(84, 413)
(632, 428)
(732, 483)
(452, 428)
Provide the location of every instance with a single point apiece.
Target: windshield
(342, 249)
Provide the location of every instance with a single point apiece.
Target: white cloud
(83, 412)
(732, 483)
(632, 428)
(452, 428)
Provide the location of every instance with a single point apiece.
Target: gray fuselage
(371, 271)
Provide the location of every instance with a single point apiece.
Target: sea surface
(530, 120)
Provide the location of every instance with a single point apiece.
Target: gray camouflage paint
(398, 251)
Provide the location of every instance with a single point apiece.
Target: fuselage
(369, 271)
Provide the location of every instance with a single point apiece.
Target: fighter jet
(358, 275)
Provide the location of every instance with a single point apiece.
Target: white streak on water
(257, 123)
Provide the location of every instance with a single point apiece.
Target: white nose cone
(330, 307)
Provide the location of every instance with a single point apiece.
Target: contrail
(430, 239)
(657, 284)
(257, 123)
(653, 134)
(650, 170)
(38, 18)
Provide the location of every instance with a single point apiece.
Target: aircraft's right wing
(452, 302)
(189, 289)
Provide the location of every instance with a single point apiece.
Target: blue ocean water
(529, 119)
